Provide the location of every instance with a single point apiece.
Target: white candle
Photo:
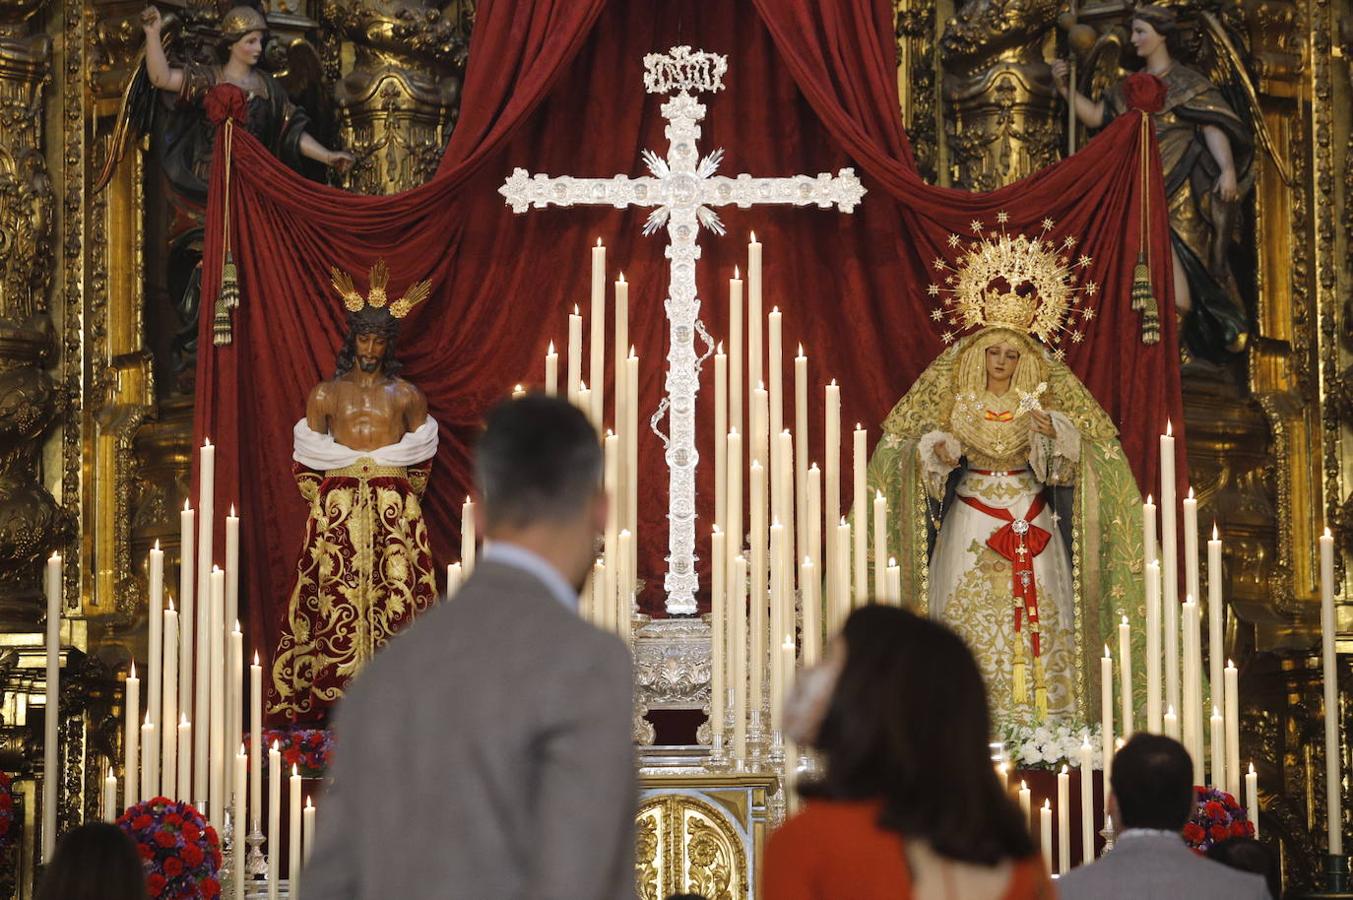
(232, 567)
(624, 608)
(1333, 779)
(1125, 674)
(235, 714)
(755, 372)
(256, 743)
(776, 398)
(575, 355)
(1045, 832)
(131, 734)
(1191, 574)
(453, 578)
(51, 773)
(611, 536)
(216, 744)
(307, 831)
(147, 757)
(757, 575)
(1063, 822)
(585, 403)
(274, 819)
(110, 809)
(1087, 801)
(602, 611)
(720, 437)
(467, 537)
(732, 519)
(777, 626)
(154, 651)
(632, 456)
(294, 832)
(801, 458)
(842, 607)
(1170, 569)
(622, 341)
(735, 351)
(206, 523)
(168, 783)
(1171, 723)
(1216, 613)
(234, 686)
(760, 425)
(894, 582)
(739, 595)
(717, 614)
(787, 515)
(1106, 714)
(187, 622)
(812, 610)
(860, 514)
(1153, 699)
(813, 512)
(1252, 798)
(518, 392)
(1025, 801)
(1149, 531)
(596, 371)
(1217, 755)
(1191, 724)
(551, 371)
(1195, 650)
(183, 788)
(881, 548)
(831, 504)
(1231, 712)
(239, 817)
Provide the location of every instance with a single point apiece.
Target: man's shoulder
(1119, 874)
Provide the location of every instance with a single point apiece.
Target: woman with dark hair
(909, 805)
(96, 861)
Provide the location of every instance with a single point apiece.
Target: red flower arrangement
(180, 851)
(7, 830)
(1216, 818)
(310, 750)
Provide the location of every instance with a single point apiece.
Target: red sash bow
(1019, 540)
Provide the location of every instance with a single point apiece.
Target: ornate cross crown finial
(681, 69)
(376, 297)
(1030, 284)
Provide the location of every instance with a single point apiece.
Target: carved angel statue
(167, 100)
(1016, 500)
(1206, 136)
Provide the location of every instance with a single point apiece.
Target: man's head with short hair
(537, 468)
(1152, 783)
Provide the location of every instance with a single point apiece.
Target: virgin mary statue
(1018, 511)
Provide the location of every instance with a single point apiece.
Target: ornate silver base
(255, 863)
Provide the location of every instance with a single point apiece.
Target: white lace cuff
(1054, 459)
(933, 472)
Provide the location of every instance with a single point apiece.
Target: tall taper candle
(1106, 714)
(148, 745)
(1153, 698)
(232, 584)
(1252, 798)
(551, 371)
(755, 371)
(718, 611)
(841, 607)
(1231, 693)
(812, 510)
(801, 458)
(1025, 804)
(621, 344)
(168, 782)
(1217, 752)
(732, 519)
(596, 371)
(238, 817)
(1149, 530)
(1216, 613)
(206, 524)
(1171, 725)
(1169, 534)
(255, 743)
(467, 538)
(1045, 832)
(736, 371)
(632, 456)
(1125, 674)
(831, 498)
(187, 617)
(812, 611)
(720, 437)
(1063, 821)
(294, 833)
(859, 504)
(758, 600)
(775, 382)
(307, 831)
(739, 595)
(184, 734)
(624, 586)
(274, 819)
(881, 548)
(110, 796)
(787, 511)
(453, 579)
(216, 753)
(155, 646)
(51, 713)
(777, 626)
(611, 536)
(235, 714)
(1191, 577)
(1334, 803)
(1087, 800)
(1192, 687)
(585, 403)
(575, 355)
(131, 735)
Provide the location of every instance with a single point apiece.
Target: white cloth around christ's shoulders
(322, 453)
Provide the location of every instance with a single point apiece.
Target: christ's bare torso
(366, 411)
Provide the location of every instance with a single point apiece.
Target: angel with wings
(1207, 135)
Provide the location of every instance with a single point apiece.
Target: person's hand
(340, 161)
(944, 456)
(151, 21)
(1059, 75)
(1226, 185)
(1041, 423)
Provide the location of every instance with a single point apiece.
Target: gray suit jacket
(1148, 865)
(486, 753)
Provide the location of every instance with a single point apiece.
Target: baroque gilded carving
(400, 101)
(915, 34)
(1001, 122)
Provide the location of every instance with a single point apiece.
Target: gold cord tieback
(1143, 298)
(228, 296)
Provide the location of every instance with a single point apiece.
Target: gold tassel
(227, 298)
(1144, 301)
(1021, 688)
(1040, 690)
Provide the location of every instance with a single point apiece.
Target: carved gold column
(31, 524)
(1001, 122)
(398, 104)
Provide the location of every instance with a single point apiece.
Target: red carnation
(145, 851)
(142, 822)
(1219, 833)
(226, 101)
(193, 855)
(1240, 829)
(155, 884)
(173, 819)
(166, 838)
(6, 801)
(191, 832)
(1143, 91)
(1193, 833)
(292, 756)
(1214, 809)
(173, 867)
(211, 888)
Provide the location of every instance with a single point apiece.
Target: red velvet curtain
(556, 87)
